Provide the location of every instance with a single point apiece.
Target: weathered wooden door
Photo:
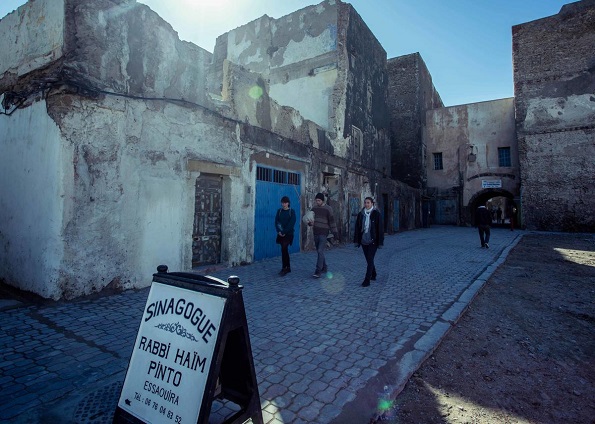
(206, 235)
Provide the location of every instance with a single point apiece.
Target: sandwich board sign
(192, 346)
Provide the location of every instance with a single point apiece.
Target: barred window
(438, 161)
(277, 176)
(293, 178)
(264, 174)
(504, 156)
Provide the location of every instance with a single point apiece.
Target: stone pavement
(325, 350)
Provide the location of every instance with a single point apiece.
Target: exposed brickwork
(554, 75)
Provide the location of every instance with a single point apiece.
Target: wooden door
(206, 235)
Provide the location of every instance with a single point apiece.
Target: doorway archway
(494, 198)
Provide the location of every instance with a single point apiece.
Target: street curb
(429, 342)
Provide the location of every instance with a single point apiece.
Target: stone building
(126, 148)
(539, 170)
(554, 86)
(411, 94)
(472, 158)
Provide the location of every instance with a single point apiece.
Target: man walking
(324, 221)
(483, 219)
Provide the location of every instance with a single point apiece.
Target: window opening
(438, 161)
(504, 156)
(277, 176)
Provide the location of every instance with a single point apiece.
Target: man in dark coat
(483, 220)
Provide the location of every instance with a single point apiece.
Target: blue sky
(466, 44)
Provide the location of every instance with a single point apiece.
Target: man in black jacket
(483, 220)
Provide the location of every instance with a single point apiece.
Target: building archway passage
(495, 199)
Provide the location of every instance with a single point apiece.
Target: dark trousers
(285, 252)
(484, 234)
(320, 243)
(369, 253)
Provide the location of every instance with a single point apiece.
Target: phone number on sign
(162, 409)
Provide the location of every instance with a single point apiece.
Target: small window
(504, 156)
(438, 161)
(356, 135)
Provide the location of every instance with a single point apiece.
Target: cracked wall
(554, 78)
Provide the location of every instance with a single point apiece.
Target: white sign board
(172, 355)
(491, 183)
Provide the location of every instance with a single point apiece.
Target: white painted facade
(109, 193)
(99, 169)
(35, 188)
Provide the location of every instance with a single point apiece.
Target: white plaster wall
(307, 47)
(131, 163)
(99, 192)
(30, 49)
(314, 99)
(298, 55)
(32, 194)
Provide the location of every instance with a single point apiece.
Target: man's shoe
(366, 283)
(316, 275)
(487, 246)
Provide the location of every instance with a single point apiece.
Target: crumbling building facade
(127, 148)
(554, 86)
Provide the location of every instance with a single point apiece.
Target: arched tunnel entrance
(501, 204)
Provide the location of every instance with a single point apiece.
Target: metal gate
(271, 186)
(206, 235)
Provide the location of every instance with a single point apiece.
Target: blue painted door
(271, 186)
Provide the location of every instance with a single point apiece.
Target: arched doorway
(495, 199)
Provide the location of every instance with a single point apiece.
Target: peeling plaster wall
(133, 200)
(294, 54)
(107, 194)
(133, 129)
(30, 50)
(554, 75)
(125, 47)
(35, 186)
(468, 136)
